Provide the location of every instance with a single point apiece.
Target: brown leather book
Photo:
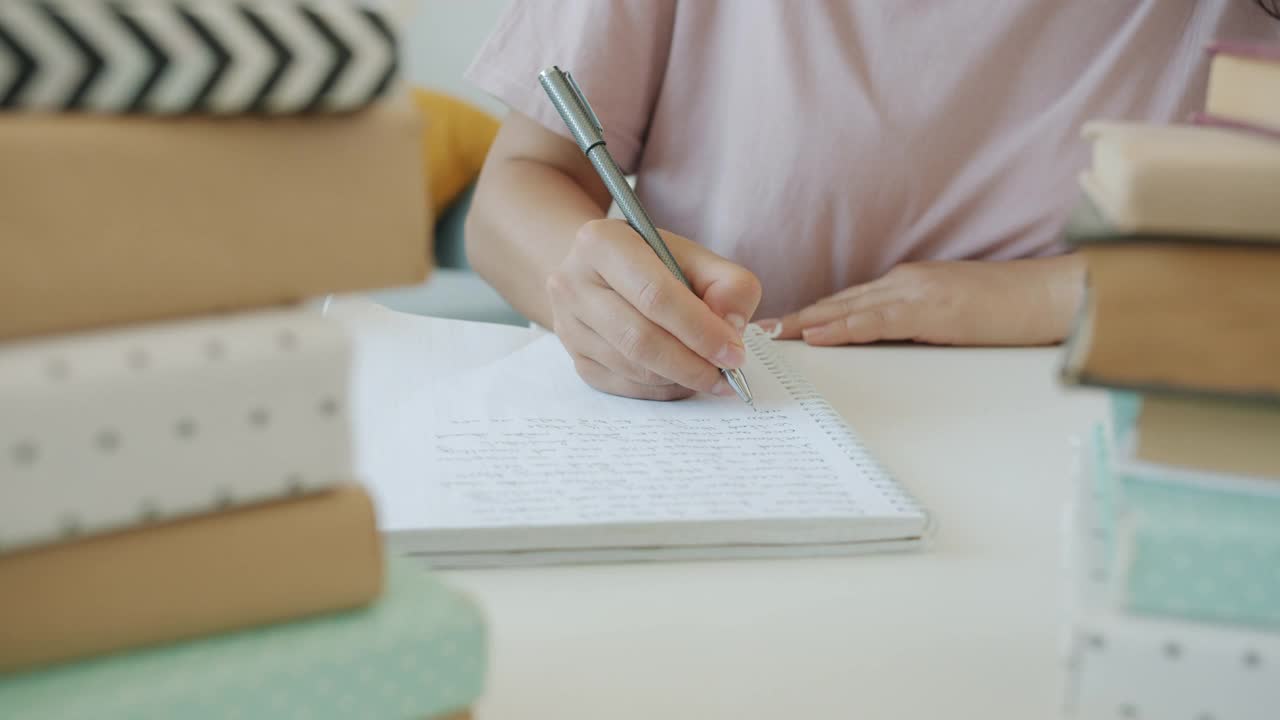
(215, 573)
(108, 220)
(1181, 316)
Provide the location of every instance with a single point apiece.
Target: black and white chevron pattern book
(195, 56)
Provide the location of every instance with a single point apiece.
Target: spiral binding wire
(831, 423)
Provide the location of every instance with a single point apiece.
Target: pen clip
(582, 100)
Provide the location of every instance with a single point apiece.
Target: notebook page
(390, 343)
(524, 443)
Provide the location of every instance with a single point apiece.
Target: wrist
(1066, 288)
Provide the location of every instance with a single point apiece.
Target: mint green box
(419, 652)
(1190, 547)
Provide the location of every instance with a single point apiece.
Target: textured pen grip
(632, 210)
(575, 116)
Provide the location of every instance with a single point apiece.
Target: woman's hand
(1018, 302)
(634, 329)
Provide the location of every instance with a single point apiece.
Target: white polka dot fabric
(1143, 668)
(419, 652)
(110, 429)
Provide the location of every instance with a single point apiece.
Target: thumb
(730, 290)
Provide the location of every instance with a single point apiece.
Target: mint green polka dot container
(1125, 407)
(419, 652)
(1198, 551)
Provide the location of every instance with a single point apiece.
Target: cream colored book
(1244, 86)
(1185, 180)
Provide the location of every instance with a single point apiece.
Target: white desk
(969, 629)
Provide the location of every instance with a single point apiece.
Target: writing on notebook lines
(637, 468)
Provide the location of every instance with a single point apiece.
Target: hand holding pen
(644, 313)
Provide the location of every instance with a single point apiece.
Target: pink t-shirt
(820, 143)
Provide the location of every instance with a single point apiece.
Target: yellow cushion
(458, 136)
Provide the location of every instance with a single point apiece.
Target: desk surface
(970, 628)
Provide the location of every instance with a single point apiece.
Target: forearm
(521, 225)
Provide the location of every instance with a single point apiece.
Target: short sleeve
(616, 50)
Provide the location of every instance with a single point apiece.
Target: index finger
(826, 311)
(634, 271)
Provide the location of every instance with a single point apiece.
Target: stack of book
(1176, 536)
(182, 533)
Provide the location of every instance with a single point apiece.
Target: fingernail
(731, 356)
(722, 389)
(738, 322)
(815, 334)
(769, 324)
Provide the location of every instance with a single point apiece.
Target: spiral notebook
(519, 462)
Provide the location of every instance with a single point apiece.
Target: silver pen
(589, 133)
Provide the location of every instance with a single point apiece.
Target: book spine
(194, 56)
(1206, 391)
(1211, 120)
(1266, 52)
(189, 578)
(109, 220)
(107, 430)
